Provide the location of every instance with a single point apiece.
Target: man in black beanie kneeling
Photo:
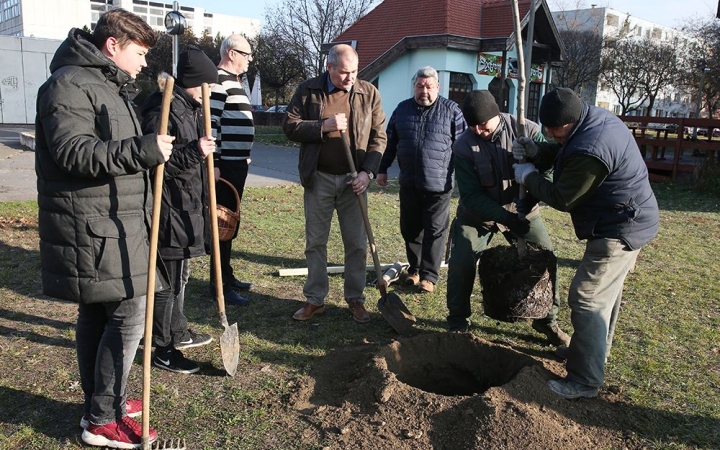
(482, 156)
(600, 178)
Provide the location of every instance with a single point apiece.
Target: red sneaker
(123, 433)
(133, 408)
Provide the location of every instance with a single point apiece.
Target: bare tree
(307, 24)
(581, 68)
(659, 61)
(623, 72)
(701, 54)
(582, 38)
(278, 64)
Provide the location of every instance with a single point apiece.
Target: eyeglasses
(245, 54)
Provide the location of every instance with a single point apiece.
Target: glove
(523, 170)
(519, 227)
(524, 147)
(525, 205)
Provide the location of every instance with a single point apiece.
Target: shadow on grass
(55, 419)
(33, 320)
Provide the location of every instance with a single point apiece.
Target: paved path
(272, 165)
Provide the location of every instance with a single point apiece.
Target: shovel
(152, 266)
(390, 305)
(229, 341)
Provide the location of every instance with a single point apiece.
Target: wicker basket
(227, 219)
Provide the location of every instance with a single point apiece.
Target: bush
(708, 178)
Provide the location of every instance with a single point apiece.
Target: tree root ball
(515, 290)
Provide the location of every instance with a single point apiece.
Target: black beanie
(479, 107)
(195, 68)
(559, 107)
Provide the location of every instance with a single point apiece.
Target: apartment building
(38, 18)
(609, 22)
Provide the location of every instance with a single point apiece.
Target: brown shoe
(307, 311)
(412, 279)
(360, 315)
(427, 286)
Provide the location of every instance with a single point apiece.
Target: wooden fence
(668, 147)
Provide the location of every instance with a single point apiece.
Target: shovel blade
(230, 348)
(396, 313)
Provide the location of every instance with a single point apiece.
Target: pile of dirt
(450, 390)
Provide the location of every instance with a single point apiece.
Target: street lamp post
(699, 100)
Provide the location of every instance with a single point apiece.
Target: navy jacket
(623, 206)
(421, 138)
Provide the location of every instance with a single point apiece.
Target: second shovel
(229, 341)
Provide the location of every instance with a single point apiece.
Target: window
(533, 106)
(460, 85)
(612, 20)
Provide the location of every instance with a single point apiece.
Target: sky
(671, 13)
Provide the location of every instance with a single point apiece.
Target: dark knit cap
(479, 107)
(559, 107)
(195, 68)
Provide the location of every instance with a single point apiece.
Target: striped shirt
(232, 119)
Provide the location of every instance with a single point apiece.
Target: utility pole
(699, 101)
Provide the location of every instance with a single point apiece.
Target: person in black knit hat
(184, 222)
(483, 169)
(600, 178)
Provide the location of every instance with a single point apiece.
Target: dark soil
(451, 391)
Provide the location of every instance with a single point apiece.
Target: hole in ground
(453, 363)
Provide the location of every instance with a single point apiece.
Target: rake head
(169, 444)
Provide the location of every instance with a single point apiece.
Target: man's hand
(524, 147)
(165, 141)
(518, 226)
(360, 183)
(338, 122)
(206, 145)
(522, 171)
(382, 179)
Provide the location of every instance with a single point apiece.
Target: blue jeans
(424, 221)
(107, 337)
(594, 299)
(331, 193)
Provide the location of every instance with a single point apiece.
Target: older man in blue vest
(600, 178)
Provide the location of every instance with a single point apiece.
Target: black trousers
(424, 223)
(236, 173)
(169, 321)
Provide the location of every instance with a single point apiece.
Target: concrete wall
(24, 67)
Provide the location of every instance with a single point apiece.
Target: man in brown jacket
(321, 109)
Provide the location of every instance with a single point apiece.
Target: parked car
(257, 108)
(277, 109)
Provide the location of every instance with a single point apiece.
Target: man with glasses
(483, 162)
(420, 134)
(232, 122)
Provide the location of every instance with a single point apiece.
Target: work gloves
(522, 170)
(524, 147)
(518, 226)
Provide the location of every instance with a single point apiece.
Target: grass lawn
(665, 363)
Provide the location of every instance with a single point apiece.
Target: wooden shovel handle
(214, 229)
(366, 219)
(152, 264)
